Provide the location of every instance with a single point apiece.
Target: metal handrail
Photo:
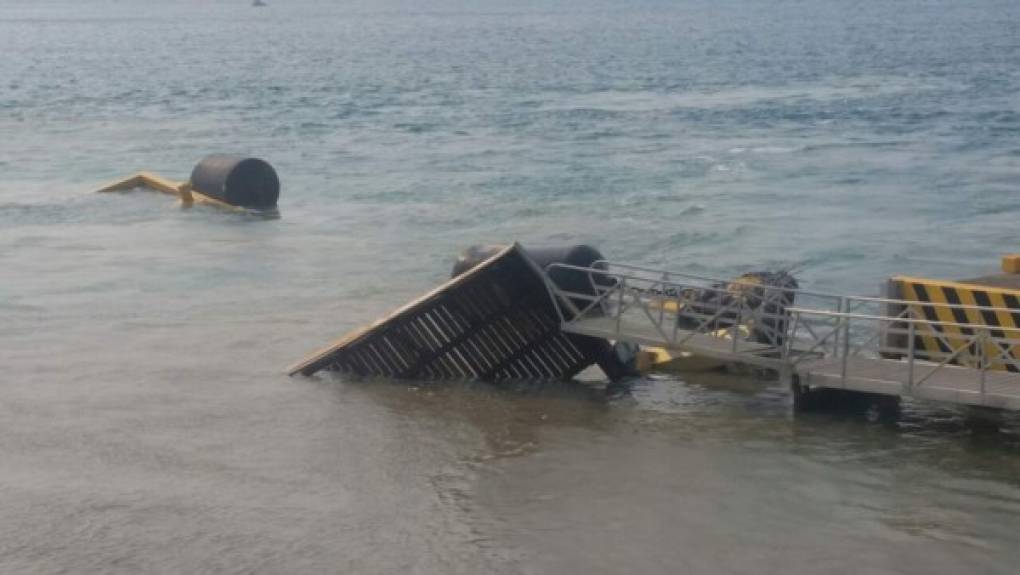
(851, 298)
(837, 328)
(622, 288)
(875, 299)
(607, 273)
(790, 309)
(897, 319)
(617, 275)
(704, 314)
(709, 278)
(972, 344)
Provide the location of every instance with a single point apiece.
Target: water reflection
(564, 469)
(510, 416)
(732, 407)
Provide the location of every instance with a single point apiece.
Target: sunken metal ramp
(496, 321)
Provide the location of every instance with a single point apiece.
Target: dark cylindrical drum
(578, 255)
(238, 181)
(567, 279)
(473, 256)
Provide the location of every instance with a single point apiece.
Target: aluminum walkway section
(864, 344)
(948, 383)
(494, 322)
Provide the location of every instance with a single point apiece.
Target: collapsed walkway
(493, 322)
(508, 318)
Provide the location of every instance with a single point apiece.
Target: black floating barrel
(578, 255)
(473, 256)
(571, 254)
(238, 181)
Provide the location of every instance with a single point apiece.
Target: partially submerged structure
(494, 320)
(514, 314)
(232, 182)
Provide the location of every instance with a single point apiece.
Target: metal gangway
(812, 340)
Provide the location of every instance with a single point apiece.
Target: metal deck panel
(948, 383)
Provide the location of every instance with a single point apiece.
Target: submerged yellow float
(232, 182)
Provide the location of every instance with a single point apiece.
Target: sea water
(146, 424)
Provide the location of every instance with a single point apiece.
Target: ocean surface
(147, 426)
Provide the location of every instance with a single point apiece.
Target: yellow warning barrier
(937, 341)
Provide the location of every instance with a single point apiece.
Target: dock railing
(865, 329)
(781, 327)
(675, 309)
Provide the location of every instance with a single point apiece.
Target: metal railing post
(676, 321)
(790, 335)
(736, 327)
(910, 353)
(846, 348)
(840, 308)
(662, 302)
(619, 306)
(981, 360)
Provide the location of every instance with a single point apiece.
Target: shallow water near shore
(146, 424)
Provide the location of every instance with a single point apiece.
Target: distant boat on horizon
(258, 3)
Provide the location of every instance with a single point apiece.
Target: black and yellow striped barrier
(945, 305)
